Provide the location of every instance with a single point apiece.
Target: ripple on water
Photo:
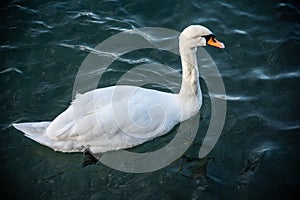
(263, 74)
(11, 69)
(235, 97)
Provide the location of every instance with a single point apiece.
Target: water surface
(43, 44)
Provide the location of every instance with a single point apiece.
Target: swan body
(121, 117)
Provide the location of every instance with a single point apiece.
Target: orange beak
(215, 43)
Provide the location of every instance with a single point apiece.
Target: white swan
(120, 117)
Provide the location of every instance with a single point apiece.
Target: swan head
(197, 35)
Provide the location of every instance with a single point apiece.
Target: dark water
(43, 43)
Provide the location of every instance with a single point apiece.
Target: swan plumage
(120, 117)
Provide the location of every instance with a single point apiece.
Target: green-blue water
(41, 50)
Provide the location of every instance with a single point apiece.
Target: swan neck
(190, 95)
(190, 76)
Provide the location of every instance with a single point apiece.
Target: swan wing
(116, 117)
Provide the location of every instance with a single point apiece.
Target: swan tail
(32, 129)
(35, 131)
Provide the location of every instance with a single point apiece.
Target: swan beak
(215, 43)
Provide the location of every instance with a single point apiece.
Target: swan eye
(210, 37)
(212, 41)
